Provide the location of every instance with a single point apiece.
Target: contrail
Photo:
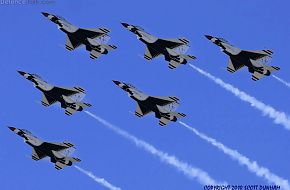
(282, 81)
(191, 172)
(278, 117)
(101, 181)
(252, 166)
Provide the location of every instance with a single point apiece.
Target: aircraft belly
(149, 105)
(242, 60)
(54, 95)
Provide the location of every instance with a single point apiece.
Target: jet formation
(79, 36)
(157, 46)
(67, 97)
(241, 58)
(161, 106)
(42, 149)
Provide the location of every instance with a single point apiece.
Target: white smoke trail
(282, 81)
(191, 172)
(267, 110)
(252, 166)
(101, 181)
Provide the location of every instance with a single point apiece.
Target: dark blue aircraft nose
(208, 37)
(21, 72)
(12, 128)
(45, 14)
(125, 24)
(116, 82)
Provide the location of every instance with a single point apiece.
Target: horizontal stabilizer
(272, 68)
(69, 111)
(95, 54)
(163, 121)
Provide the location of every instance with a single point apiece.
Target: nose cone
(45, 14)
(21, 72)
(208, 37)
(116, 82)
(125, 24)
(12, 128)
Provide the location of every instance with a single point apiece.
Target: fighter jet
(240, 58)
(156, 47)
(41, 149)
(161, 106)
(79, 36)
(68, 97)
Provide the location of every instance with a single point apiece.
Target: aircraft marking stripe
(112, 46)
(68, 113)
(191, 56)
(268, 52)
(68, 47)
(173, 98)
(147, 57)
(104, 30)
(184, 40)
(255, 78)
(171, 67)
(79, 89)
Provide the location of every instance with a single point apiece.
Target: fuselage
(237, 55)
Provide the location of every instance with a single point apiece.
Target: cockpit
(139, 28)
(130, 85)
(223, 40)
(26, 131)
(36, 76)
(63, 19)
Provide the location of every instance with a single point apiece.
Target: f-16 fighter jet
(240, 58)
(52, 94)
(161, 106)
(79, 36)
(156, 47)
(41, 149)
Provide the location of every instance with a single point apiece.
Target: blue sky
(31, 43)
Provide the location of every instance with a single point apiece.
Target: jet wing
(173, 43)
(257, 54)
(57, 146)
(257, 76)
(163, 121)
(162, 101)
(68, 91)
(69, 111)
(141, 110)
(37, 155)
(47, 100)
(173, 64)
(92, 32)
(74, 40)
(59, 165)
(72, 43)
(150, 53)
(233, 66)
